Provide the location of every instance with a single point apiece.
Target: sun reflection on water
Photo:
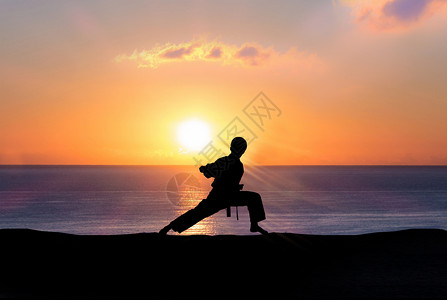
(205, 227)
(189, 200)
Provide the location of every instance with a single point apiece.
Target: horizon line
(261, 165)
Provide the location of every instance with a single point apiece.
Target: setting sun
(193, 134)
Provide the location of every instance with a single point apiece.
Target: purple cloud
(396, 15)
(252, 55)
(406, 10)
(247, 55)
(178, 53)
(215, 53)
(247, 52)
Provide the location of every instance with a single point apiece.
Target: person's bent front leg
(255, 208)
(253, 201)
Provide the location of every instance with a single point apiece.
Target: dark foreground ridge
(403, 264)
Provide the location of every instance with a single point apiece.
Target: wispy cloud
(247, 54)
(394, 15)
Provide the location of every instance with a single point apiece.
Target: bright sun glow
(193, 134)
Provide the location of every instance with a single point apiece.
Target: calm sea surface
(299, 199)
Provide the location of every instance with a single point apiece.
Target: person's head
(238, 146)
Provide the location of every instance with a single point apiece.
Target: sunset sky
(111, 82)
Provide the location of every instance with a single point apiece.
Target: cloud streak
(245, 55)
(394, 15)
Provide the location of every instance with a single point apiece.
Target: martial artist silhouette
(227, 172)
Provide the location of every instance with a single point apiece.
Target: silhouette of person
(226, 192)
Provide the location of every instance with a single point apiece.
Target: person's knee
(255, 197)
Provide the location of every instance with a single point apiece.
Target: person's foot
(256, 228)
(165, 230)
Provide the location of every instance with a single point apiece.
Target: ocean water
(298, 199)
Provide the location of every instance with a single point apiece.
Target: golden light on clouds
(248, 54)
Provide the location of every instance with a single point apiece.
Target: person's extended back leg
(203, 210)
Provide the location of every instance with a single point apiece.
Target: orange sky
(108, 82)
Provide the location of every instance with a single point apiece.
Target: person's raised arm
(204, 170)
(213, 169)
